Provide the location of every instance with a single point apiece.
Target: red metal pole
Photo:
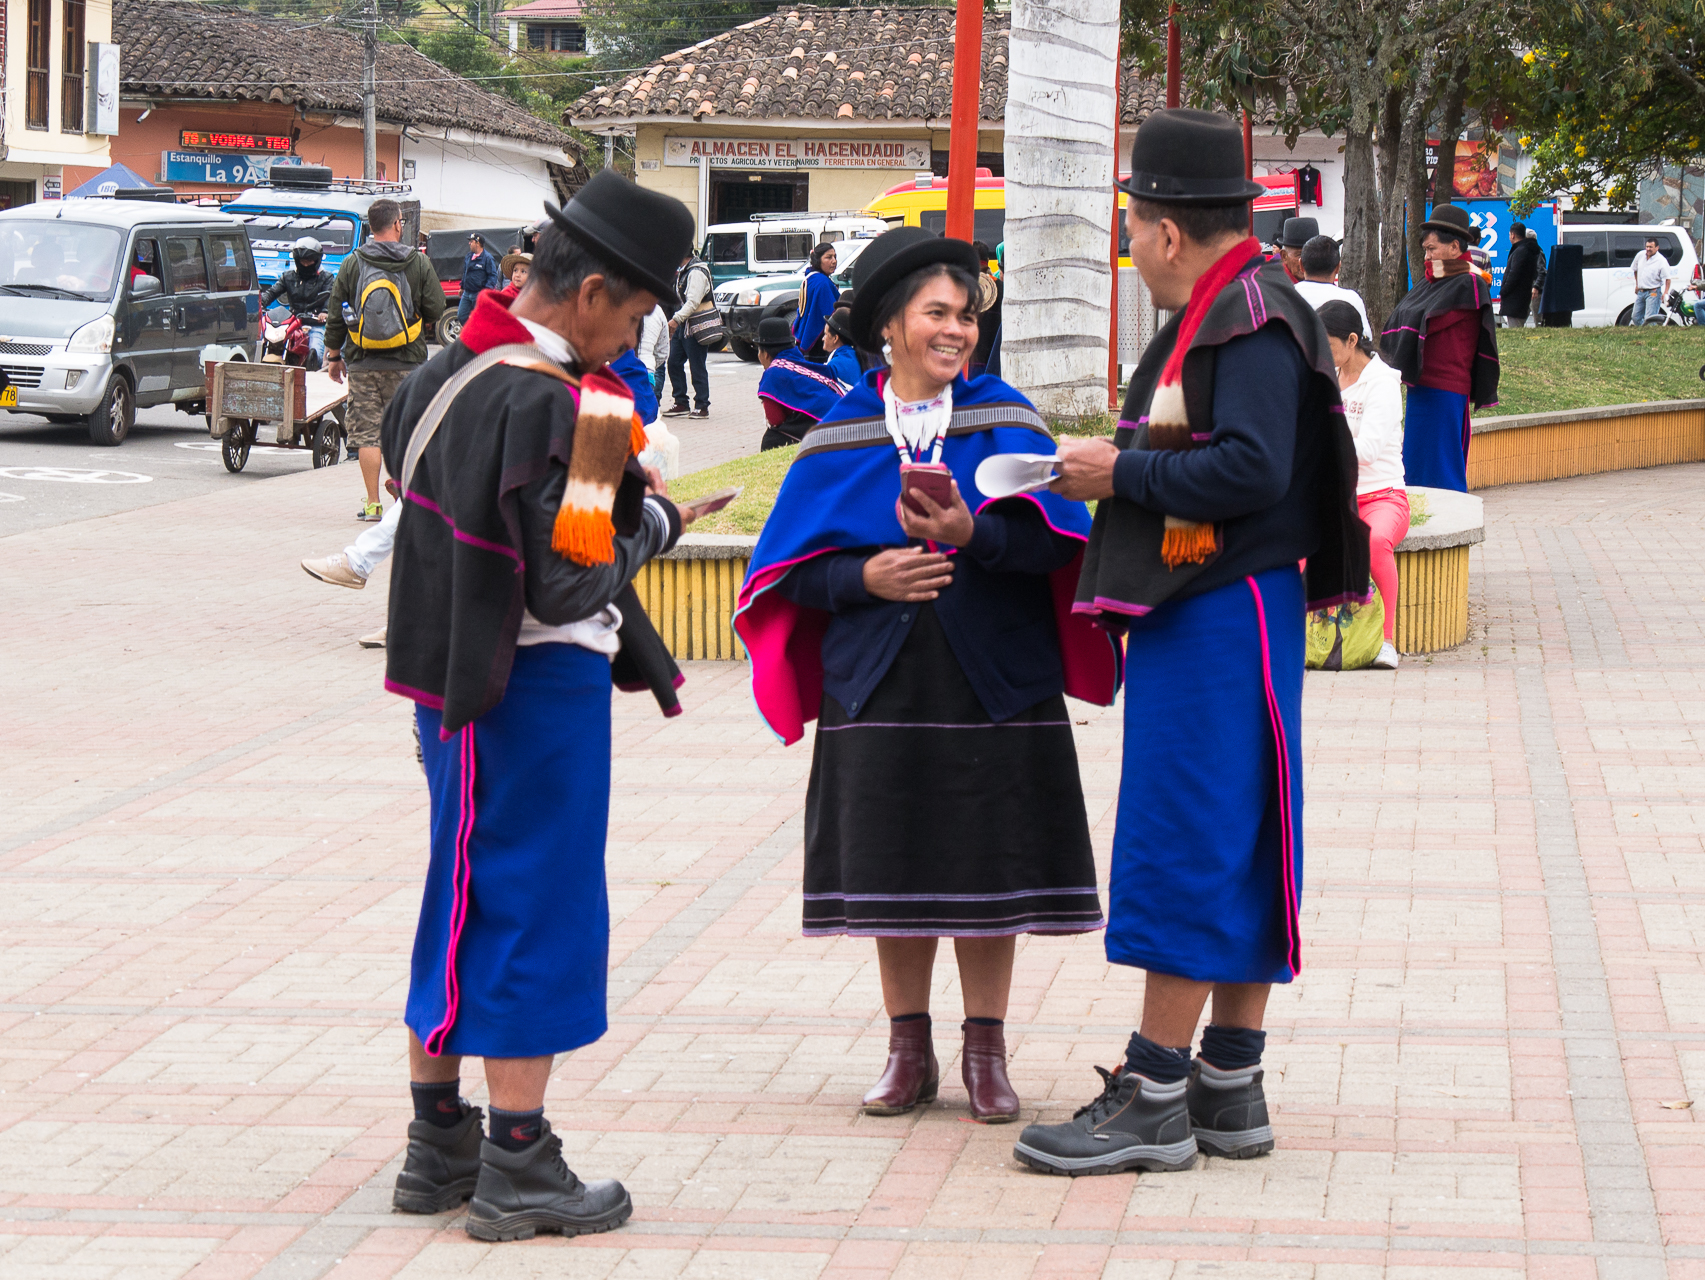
(1249, 162)
(962, 135)
(1172, 56)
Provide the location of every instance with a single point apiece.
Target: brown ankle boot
(912, 1076)
(983, 1064)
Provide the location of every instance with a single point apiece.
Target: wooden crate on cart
(302, 408)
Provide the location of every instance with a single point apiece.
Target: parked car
(110, 304)
(1607, 266)
(779, 243)
(304, 200)
(744, 303)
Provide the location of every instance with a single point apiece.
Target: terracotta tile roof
(203, 52)
(812, 63)
(545, 9)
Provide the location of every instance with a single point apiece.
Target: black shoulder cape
(1405, 338)
(1123, 572)
(458, 580)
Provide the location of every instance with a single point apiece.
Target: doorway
(14, 194)
(735, 197)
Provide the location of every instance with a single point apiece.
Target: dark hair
(1320, 256)
(1341, 321)
(817, 254)
(382, 215)
(561, 264)
(984, 253)
(1201, 223)
(900, 296)
(1461, 240)
(1517, 226)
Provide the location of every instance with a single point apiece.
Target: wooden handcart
(304, 410)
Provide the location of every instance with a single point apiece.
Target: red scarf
(1169, 418)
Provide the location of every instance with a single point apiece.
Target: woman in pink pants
(1373, 406)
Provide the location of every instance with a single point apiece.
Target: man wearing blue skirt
(1231, 464)
(526, 516)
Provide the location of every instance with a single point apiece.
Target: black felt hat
(1452, 220)
(1183, 156)
(775, 334)
(644, 234)
(1297, 232)
(891, 257)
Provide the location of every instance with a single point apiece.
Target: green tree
(1611, 93)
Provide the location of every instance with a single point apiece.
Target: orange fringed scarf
(1185, 542)
(607, 432)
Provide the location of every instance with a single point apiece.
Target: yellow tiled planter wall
(1579, 442)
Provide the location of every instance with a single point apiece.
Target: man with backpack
(384, 303)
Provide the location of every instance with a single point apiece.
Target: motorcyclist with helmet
(306, 289)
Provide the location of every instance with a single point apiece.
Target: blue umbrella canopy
(110, 180)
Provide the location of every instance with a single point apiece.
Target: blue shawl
(840, 494)
(803, 385)
(818, 297)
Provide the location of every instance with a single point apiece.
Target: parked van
(1607, 265)
(304, 200)
(779, 243)
(110, 304)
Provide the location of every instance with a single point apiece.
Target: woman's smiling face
(932, 338)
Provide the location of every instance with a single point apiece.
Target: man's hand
(951, 526)
(1086, 469)
(907, 573)
(672, 325)
(334, 366)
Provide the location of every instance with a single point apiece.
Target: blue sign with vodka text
(230, 169)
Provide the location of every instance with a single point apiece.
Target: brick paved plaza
(211, 847)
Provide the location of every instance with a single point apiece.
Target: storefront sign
(103, 88)
(52, 186)
(1492, 218)
(234, 170)
(797, 153)
(233, 141)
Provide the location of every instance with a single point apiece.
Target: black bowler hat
(1452, 220)
(775, 334)
(644, 234)
(891, 257)
(1298, 232)
(1183, 156)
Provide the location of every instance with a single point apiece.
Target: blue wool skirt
(1207, 849)
(513, 943)
(1435, 439)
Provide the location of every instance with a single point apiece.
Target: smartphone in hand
(932, 478)
(696, 508)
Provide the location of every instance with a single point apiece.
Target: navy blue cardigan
(997, 612)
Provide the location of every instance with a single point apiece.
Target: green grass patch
(1545, 370)
(761, 474)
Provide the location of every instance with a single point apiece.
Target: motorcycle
(284, 339)
(1681, 307)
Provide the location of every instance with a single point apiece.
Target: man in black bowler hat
(1293, 238)
(526, 518)
(1230, 464)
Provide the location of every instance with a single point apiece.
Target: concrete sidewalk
(211, 845)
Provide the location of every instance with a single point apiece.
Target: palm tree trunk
(1059, 202)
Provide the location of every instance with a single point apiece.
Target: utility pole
(369, 78)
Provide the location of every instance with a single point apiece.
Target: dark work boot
(521, 1193)
(1134, 1124)
(442, 1165)
(1228, 1111)
(912, 1076)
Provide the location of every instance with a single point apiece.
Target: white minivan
(1607, 266)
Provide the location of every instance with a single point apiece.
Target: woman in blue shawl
(817, 299)
(933, 644)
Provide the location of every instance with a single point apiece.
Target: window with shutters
(73, 55)
(36, 70)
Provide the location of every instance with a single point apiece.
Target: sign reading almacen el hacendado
(797, 153)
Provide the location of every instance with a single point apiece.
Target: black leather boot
(442, 1165)
(521, 1193)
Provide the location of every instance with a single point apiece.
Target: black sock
(1232, 1048)
(516, 1130)
(985, 1022)
(910, 1017)
(1159, 1063)
(439, 1104)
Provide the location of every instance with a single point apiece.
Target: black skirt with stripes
(924, 818)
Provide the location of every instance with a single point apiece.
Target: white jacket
(1373, 407)
(653, 346)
